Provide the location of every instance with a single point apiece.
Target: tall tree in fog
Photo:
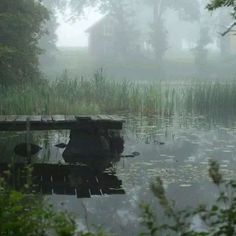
(187, 10)
(201, 52)
(48, 41)
(21, 26)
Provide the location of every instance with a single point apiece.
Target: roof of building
(97, 23)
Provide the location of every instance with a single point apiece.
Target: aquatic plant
(207, 98)
(217, 219)
(27, 214)
(86, 96)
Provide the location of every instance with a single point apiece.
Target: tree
(21, 24)
(48, 41)
(187, 10)
(201, 51)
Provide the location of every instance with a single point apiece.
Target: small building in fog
(100, 37)
(105, 36)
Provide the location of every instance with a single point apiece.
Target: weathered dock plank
(35, 118)
(70, 118)
(46, 118)
(3, 118)
(58, 122)
(58, 118)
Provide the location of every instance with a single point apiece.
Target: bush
(218, 219)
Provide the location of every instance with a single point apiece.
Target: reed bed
(211, 98)
(100, 95)
(90, 96)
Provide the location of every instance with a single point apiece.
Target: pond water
(176, 148)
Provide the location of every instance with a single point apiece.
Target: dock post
(28, 146)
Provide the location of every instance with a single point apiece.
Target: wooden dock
(64, 179)
(58, 122)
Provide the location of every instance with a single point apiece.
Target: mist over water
(166, 67)
(132, 41)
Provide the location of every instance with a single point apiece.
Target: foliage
(188, 10)
(48, 41)
(21, 24)
(217, 219)
(27, 214)
(215, 4)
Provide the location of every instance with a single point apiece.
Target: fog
(132, 40)
(107, 104)
(71, 32)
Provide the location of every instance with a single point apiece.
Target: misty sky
(72, 33)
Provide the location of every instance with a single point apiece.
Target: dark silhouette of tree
(21, 26)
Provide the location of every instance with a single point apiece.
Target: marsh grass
(211, 98)
(84, 96)
(101, 95)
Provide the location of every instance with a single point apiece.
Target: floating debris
(133, 154)
(61, 145)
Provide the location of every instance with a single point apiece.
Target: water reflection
(182, 163)
(86, 165)
(50, 179)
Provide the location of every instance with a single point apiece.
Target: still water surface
(182, 163)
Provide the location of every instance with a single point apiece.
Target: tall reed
(86, 96)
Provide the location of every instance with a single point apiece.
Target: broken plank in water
(36, 118)
(70, 118)
(22, 118)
